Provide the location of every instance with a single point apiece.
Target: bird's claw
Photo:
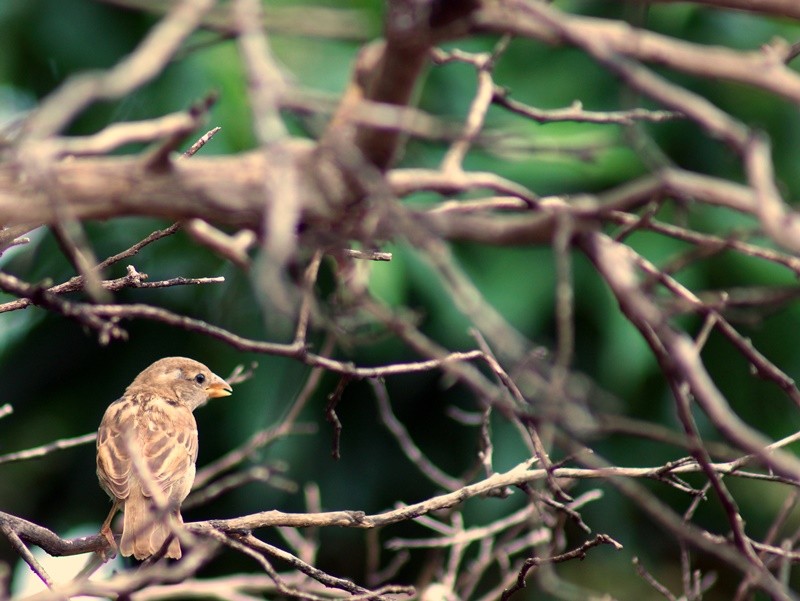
(109, 552)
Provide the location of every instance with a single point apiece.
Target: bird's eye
(200, 378)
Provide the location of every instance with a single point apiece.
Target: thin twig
(576, 553)
(58, 445)
(403, 438)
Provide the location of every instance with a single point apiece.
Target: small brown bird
(147, 448)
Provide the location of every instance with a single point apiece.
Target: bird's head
(191, 382)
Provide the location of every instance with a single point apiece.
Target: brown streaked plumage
(147, 448)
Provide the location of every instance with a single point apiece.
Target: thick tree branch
(227, 190)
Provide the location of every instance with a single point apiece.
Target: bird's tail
(143, 532)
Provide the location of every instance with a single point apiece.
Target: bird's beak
(218, 388)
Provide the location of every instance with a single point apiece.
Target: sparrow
(146, 452)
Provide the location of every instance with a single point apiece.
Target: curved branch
(763, 68)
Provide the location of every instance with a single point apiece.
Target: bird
(146, 453)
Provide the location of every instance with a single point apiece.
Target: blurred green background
(59, 379)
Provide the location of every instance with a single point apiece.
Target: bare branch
(41, 451)
(532, 19)
(577, 553)
(575, 113)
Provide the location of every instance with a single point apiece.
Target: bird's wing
(113, 460)
(169, 446)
